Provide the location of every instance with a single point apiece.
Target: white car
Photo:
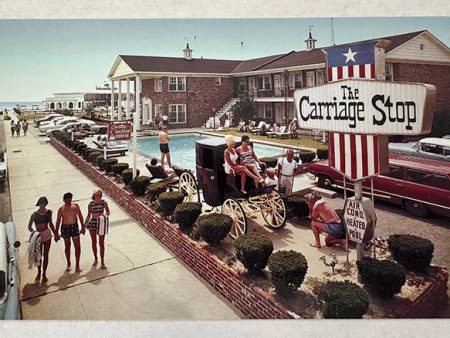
(83, 124)
(45, 119)
(431, 148)
(62, 122)
(52, 121)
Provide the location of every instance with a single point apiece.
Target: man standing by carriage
(287, 169)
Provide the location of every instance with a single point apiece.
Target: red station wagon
(420, 185)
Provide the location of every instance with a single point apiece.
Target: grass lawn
(302, 141)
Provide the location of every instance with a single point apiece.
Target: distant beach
(26, 105)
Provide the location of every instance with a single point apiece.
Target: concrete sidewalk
(143, 279)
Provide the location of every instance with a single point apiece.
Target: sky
(42, 57)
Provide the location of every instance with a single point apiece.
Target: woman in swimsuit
(43, 223)
(96, 208)
(248, 157)
(231, 166)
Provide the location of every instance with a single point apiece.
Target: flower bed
(255, 298)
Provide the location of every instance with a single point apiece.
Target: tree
(245, 107)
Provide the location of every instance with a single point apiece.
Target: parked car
(80, 124)
(60, 123)
(52, 121)
(46, 118)
(419, 185)
(431, 147)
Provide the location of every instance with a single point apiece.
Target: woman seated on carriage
(231, 166)
(247, 156)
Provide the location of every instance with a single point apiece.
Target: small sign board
(361, 106)
(119, 131)
(359, 218)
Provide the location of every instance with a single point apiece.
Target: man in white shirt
(287, 168)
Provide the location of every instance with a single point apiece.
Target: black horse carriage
(222, 189)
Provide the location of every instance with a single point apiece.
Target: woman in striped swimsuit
(248, 157)
(96, 208)
(42, 219)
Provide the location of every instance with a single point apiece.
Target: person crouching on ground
(97, 208)
(67, 215)
(271, 178)
(287, 168)
(164, 139)
(43, 223)
(325, 219)
(231, 166)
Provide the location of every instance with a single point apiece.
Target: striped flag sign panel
(358, 156)
(351, 61)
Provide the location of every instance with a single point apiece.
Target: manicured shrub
(382, 278)
(108, 163)
(168, 201)
(139, 184)
(296, 206)
(271, 162)
(80, 148)
(288, 270)
(307, 156)
(213, 228)
(322, 154)
(68, 143)
(75, 144)
(88, 151)
(127, 175)
(413, 252)
(100, 160)
(253, 251)
(343, 300)
(92, 158)
(187, 213)
(119, 167)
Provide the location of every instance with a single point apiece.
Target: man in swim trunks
(67, 215)
(164, 139)
(325, 219)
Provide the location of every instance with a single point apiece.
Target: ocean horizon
(22, 104)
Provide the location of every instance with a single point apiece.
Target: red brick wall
(202, 95)
(439, 76)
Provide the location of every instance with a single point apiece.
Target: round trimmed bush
(413, 252)
(154, 189)
(343, 300)
(187, 213)
(100, 160)
(139, 184)
(213, 228)
(271, 162)
(382, 278)
(307, 156)
(80, 148)
(127, 175)
(108, 163)
(168, 201)
(75, 145)
(88, 151)
(119, 167)
(296, 206)
(288, 270)
(322, 154)
(253, 251)
(92, 158)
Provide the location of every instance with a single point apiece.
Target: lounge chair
(226, 126)
(283, 133)
(110, 151)
(258, 128)
(159, 175)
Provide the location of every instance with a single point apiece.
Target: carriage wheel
(233, 209)
(274, 210)
(189, 188)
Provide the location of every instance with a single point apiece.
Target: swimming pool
(182, 149)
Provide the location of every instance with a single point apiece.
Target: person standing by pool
(164, 139)
(165, 120)
(287, 168)
(67, 215)
(231, 166)
(42, 219)
(97, 224)
(157, 122)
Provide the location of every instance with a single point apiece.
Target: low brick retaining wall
(252, 301)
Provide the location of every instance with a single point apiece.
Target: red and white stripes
(354, 155)
(365, 71)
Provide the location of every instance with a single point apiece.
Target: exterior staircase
(219, 116)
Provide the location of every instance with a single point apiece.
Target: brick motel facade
(191, 90)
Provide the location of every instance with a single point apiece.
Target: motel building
(192, 90)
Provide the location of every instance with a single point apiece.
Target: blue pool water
(182, 149)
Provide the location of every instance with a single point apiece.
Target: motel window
(242, 84)
(158, 110)
(320, 77)
(218, 81)
(297, 80)
(158, 84)
(389, 69)
(177, 113)
(264, 83)
(177, 84)
(310, 78)
(251, 85)
(267, 110)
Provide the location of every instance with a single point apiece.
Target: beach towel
(103, 225)
(34, 250)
